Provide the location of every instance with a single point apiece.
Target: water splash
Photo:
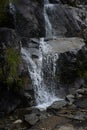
(44, 95)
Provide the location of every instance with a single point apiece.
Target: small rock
(31, 118)
(70, 98)
(19, 121)
(66, 127)
(82, 91)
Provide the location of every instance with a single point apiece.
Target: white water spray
(48, 26)
(44, 95)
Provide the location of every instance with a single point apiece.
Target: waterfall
(43, 68)
(46, 1)
(48, 26)
(12, 8)
(44, 91)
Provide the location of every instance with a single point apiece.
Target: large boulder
(66, 20)
(29, 18)
(67, 60)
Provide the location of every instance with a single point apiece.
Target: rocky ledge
(67, 114)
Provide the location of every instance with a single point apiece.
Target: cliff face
(24, 19)
(18, 21)
(29, 18)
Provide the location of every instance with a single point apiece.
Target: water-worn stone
(32, 119)
(57, 105)
(63, 45)
(67, 127)
(70, 98)
(19, 121)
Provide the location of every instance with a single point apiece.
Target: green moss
(12, 60)
(9, 68)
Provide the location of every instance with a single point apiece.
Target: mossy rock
(9, 68)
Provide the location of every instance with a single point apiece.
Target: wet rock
(10, 101)
(70, 64)
(58, 105)
(82, 91)
(64, 45)
(73, 2)
(19, 121)
(32, 119)
(72, 68)
(29, 18)
(81, 102)
(8, 38)
(70, 98)
(71, 24)
(67, 127)
(55, 1)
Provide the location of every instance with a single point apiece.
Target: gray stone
(70, 98)
(81, 102)
(8, 38)
(58, 105)
(61, 45)
(19, 121)
(67, 21)
(29, 18)
(32, 119)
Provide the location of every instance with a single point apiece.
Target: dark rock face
(11, 75)
(67, 21)
(72, 67)
(31, 119)
(55, 1)
(74, 2)
(29, 18)
(8, 38)
(71, 2)
(57, 105)
(6, 18)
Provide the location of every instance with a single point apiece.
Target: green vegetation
(9, 67)
(13, 59)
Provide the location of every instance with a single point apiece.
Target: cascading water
(11, 8)
(42, 69)
(49, 15)
(48, 26)
(44, 94)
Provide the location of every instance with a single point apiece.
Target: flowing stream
(44, 94)
(42, 69)
(48, 26)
